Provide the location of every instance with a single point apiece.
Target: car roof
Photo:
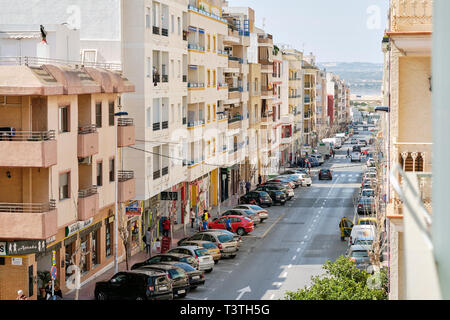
(146, 272)
(158, 266)
(358, 247)
(188, 247)
(179, 255)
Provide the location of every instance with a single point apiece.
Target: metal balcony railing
(165, 171)
(196, 85)
(193, 46)
(13, 135)
(235, 119)
(84, 193)
(155, 30)
(92, 128)
(37, 62)
(156, 126)
(125, 175)
(156, 174)
(164, 32)
(165, 125)
(28, 207)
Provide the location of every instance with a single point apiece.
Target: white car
(262, 213)
(319, 158)
(205, 260)
(356, 156)
(371, 162)
(306, 180)
(361, 231)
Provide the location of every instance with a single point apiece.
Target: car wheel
(283, 203)
(102, 296)
(233, 256)
(240, 231)
(209, 270)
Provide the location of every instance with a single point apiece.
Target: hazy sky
(334, 30)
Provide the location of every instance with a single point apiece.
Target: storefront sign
(169, 196)
(26, 247)
(77, 226)
(16, 261)
(133, 208)
(2, 248)
(50, 240)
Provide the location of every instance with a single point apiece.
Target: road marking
(272, 296)
(290, 266)
(270, 228)
(284, 275)
(298, 249)
(294, 257)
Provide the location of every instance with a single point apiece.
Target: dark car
(314, 162)
(277, 196)
(366, 206)
(274, 187)
(356, 149)
(256, 197)
(179, 278)
(164, 257)
(196, 277)
(135, 285)
(325, 174)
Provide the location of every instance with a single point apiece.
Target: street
(285, 251)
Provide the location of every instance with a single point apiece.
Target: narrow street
(295, 243)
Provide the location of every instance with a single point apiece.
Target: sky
(334, 30)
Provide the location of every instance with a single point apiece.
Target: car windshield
(209, 245)
(201, 252)
(249, 212)
(360, 254)
(363, 242)
(255, 207)
(185, 267)
(175, 274)
(225, 238)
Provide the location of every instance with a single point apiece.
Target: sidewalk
(87, 290)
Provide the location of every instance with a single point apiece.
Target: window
(111, 170)
(214, 78)
(98, 114)
(111, 113)
(209, 42)
(209, 78)
(64, 119)
(214, 146)
(214, 43)
(95, 248)
(214, 112)
(99, 174)
(64, 186)
(147, 18)
(173, 23)
(179, 25)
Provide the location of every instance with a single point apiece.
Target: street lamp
(116, 194)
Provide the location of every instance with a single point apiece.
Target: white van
(361, 231)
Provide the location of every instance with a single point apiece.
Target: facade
(407, 91)
(309, 113)
(58, 198)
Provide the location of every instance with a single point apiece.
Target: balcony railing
(235, 119)
(411, 15)
(193, 46)
(184, 78)
(156, 126)
(125, 122)
(205, 13)
(92, 128)
(28, 207)
(196, 123)
(193, 85)
(155, 30)
(38, 61)
(165, 32)
(165, 171)
(124, 175)
(10, 134)
(165, 125)
(84, 193)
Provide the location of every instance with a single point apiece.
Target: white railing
(407, 15)
(37, 62)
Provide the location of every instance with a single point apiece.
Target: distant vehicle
(324, 149)
(179, 278)
(367, 221)
(354, 141)
(260, 198)
(360, 256)
(356, 156)
(196, 277)
(244, 213)
(366, 206)
(226, 243)
(213, 250)
(167, 257)
(306, 180)
(277, 196)
(325, 174)
(368, 193)
(356, 149)
(135, 285)
(360, 231)
(319, 158)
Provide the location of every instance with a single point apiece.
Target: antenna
(264, 23)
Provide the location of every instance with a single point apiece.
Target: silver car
(205, 260)
(243, 212)
(360, 256)
(262, 213)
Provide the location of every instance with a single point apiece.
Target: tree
(124, 235)
(343, 281)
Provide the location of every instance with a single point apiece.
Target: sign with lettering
(77, 226)
(133, 208)
(16, 261)
(26, 247)
(2, 248)
(169, 196)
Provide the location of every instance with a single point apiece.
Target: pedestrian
(248, 185)
(205, 225)
(334, 153)
(259, 180)
(166, 227)
(206, 215)
(348, 152)
(21, 296)
(309, 167)
(228, 223)
(192, 218)
(148, 243)
(48, 291)
(58, 291)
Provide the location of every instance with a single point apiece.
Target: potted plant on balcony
(44, 278)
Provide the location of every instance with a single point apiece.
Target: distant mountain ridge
(364, 78)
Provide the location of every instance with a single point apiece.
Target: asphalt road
(289, 248)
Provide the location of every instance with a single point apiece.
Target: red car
(240, 225)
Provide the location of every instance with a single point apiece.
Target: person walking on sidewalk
(248, 185)
(228, 224)
(148, 243)
(192, 218)
(166, 227)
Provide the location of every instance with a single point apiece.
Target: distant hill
(364, 78)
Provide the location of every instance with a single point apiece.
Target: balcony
(127, 186)
(37, 149)
(266, 93)
(233, 62)
(87, 141)
(28, 220)
(125, 132)
(265, 39)
(408, 16)
(267, 68)
(88, 203)
(156, 30)
(235, 122)
(196, 47)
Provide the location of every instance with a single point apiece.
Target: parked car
(325, 174)
(179, 278)
(370, 162)
(282, 179)
(368, 193)
(263, 213)
(276, 195)
(298, 177)
(370, 175)
(274, 186)
(204, 259)
(354, 141)
(163, 257)
(306, 180)
(356, 156)
(135, 285)
(244, 213)
(294, 171)
(360, 256)
(360, 231)
(196, 277)
(285, 185)
(240, 225)
(366, 242)
(356, 149)
(226, 243)
(260, 198)
(213, 250)
(290, 178)
(319, 158)
(314, 162)
(367, 221)
(366, 206)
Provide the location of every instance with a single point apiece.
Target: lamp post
(116, 194)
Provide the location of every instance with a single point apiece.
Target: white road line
(298, 249)
(272, 296)
(284, 275)
(306, 237)
(290, 266)
(294, 257)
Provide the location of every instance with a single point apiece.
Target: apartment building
(294, 122)
(60, 151)
(322, 121)
(309, 113)
(407, 91)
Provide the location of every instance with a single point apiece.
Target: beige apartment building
(407, 90)
(309, 113)
(60, 163)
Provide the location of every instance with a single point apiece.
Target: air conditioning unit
(87, 160)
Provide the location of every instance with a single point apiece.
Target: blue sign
(53, 272)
